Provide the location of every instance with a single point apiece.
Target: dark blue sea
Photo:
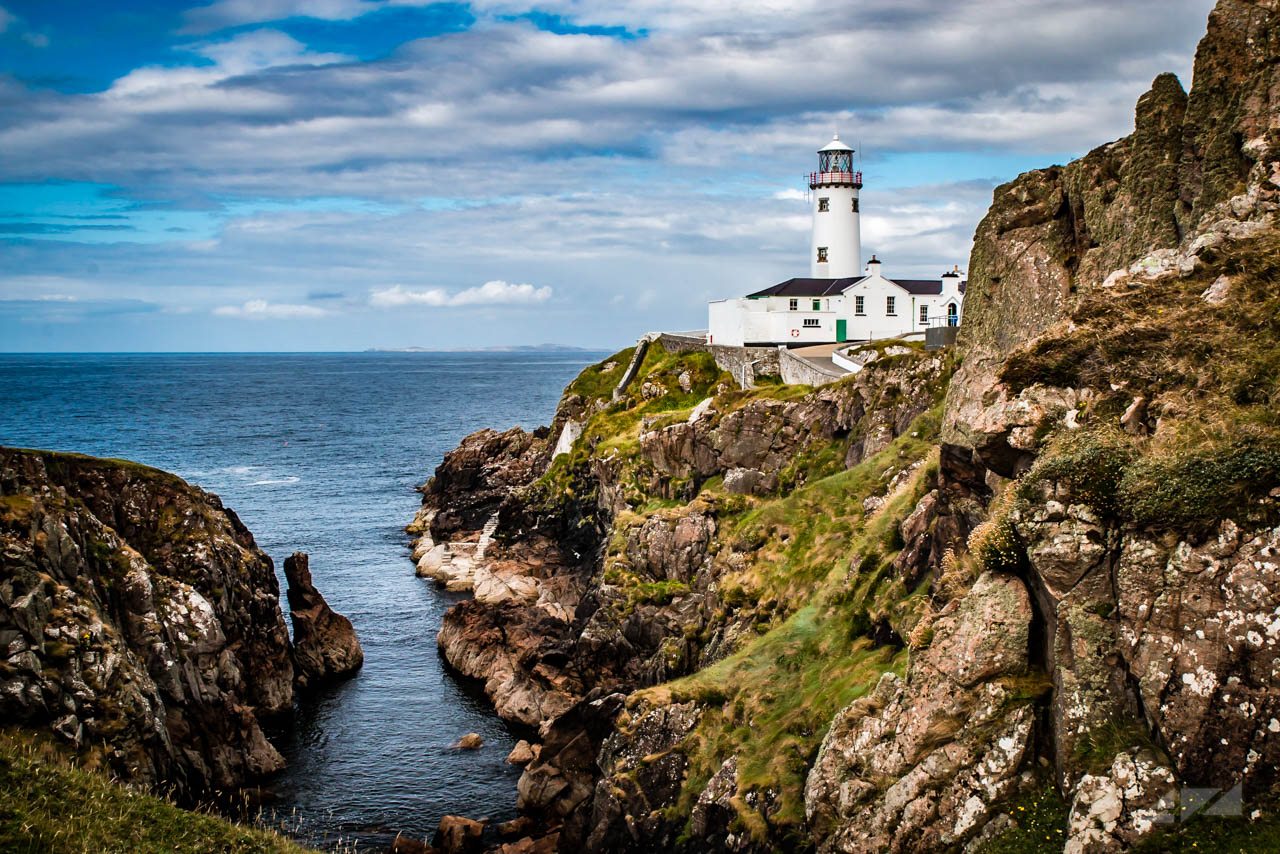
(321, 453)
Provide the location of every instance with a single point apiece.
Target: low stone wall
(799, 371)
(757, 361)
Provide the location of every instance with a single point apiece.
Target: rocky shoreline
(142, 627)
(900, 611)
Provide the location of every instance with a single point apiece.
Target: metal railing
(850, 179)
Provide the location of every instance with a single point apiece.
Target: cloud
(490, 293)
(260, 309)
(233, 13)
(6, 19)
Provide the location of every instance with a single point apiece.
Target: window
(859, 305)
(924, 314)
(890, 306)
(811, 323)
(953, 316)
(817, 305)
(824, 204)
(855, 204)
(822, 254)
(793, 305)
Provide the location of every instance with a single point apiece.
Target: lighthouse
(836, 251)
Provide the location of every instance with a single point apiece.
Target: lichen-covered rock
(325, 646)
(1113, 810)
(139, 622)
(923, 764)
(641, 774)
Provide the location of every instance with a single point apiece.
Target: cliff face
(851, 620)
(139, 622)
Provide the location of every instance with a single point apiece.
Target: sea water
(321, 453)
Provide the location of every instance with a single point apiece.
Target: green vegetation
(1219, 835)
(1204, 382)
(1039, 824)
(49, 805)
(804, 579)
(595, 383)
(818, 576)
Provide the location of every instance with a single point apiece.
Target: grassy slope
(49, 805)
(816, 579)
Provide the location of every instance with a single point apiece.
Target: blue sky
(344, 174)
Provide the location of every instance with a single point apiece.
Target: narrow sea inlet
(321, 453)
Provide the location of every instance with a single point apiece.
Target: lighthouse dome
(834, 145)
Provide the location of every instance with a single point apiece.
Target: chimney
(873, 266)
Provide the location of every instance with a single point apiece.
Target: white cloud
(490, 293)
(36, 39)
(260, 309)
(231, 13)
(6, 18)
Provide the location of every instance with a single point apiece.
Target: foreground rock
(325, 646)
(139, 622)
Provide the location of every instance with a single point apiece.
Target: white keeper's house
(840, 300)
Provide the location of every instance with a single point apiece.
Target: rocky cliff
(139, 622)
(1040, 615)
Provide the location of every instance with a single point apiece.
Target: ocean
(321, 453)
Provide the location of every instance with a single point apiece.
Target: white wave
(278, 481)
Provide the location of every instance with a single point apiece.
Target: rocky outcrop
(754, 445)
(325, 646)
(923, 764)
(139, 622)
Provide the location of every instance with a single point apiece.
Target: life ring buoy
(795, 333)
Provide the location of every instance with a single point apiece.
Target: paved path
(819, 355)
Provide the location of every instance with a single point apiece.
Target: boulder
(470, 741)
(325, 646)
(522, 754)
(459, 835)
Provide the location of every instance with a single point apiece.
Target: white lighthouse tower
(836, 252)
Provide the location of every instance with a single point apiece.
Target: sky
(289, 175)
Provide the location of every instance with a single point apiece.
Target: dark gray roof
(831, 287)
(806, 288)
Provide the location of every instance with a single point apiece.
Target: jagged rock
(713, 815)
(504, 645)
(459, 835)
(522, 754)
(138, 617)
(325, 646)
(641, 775)
(528, 845)
(924, 764)
(1112, 811)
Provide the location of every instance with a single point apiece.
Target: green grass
(50, 805)
(816, 580)
(1040, 824)
(595, 383)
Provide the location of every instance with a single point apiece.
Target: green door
(842, 331)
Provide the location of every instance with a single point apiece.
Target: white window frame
(793, 304)
(891, 306)
(924, 313)
(860, 305)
